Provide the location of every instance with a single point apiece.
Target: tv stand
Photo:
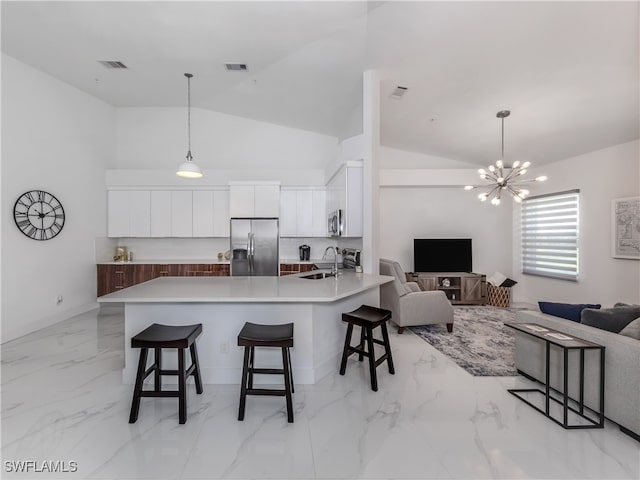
(461, 288)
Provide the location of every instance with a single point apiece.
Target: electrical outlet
(224, 347)
(59, 299)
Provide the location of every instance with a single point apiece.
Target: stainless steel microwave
(336, 223)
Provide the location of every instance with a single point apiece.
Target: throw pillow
(610, 319)
(632, 330)
(565, 310)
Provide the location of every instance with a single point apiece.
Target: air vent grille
(398, 92)
(236, 67)
(112, 64)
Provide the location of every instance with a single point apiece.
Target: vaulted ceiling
(568, 71)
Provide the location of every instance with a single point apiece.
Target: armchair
(409, 305)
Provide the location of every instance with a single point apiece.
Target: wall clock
(39, 215)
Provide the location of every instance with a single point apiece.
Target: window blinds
(550, 235)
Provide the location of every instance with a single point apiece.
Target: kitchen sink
(318, 275)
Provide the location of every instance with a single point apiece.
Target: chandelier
(501, 178)
(189, 169)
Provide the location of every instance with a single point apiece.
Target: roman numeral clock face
(39, 215)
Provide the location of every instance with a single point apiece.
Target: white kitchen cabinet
(241, 200)
(160, 213)
(319, 213)
(344, 191)
(128, 213)
(171, 213)
(182, 213)
(221, 213)
(203, 213)
(303, 213)
(210, 213)
(267, 200)
(254, 200)
(288, 214)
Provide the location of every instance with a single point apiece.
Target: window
(550, 235)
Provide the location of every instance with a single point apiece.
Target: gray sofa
(408, 304)
(622, 367)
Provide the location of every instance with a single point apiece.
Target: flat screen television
(442, 255)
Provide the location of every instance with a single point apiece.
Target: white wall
(156, 138)
(422, 212)
(391, 158)
(59, 139)
(600, 176)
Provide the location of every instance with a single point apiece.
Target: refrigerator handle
(251, 252)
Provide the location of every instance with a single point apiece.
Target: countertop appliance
(305, 252)
(254, 243)
(336, 223)
(351, 258)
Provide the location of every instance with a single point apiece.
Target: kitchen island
(224, 304)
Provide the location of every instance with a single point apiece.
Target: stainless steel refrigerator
(254, 247)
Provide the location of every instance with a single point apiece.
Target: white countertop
(287, 289)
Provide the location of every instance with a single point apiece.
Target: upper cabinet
(171, 213)
(303, 212)
(168, 213)
(254, 200)
(344, 191)
(129, 213)
(210, 213)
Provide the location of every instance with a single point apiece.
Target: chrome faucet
(334, 269)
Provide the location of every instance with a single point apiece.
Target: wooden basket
(498, 296)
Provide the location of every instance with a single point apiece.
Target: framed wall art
(625, 228)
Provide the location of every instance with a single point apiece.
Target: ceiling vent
(398, 92)
(112, 64)
(236, 67)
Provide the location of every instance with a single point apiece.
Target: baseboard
(12, 333)
(626, 431)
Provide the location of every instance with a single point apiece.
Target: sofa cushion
(610, 319)
(632, 330)
(569, 311)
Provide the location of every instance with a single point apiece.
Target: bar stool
(254, 335)
(165, 336)
(367, 318)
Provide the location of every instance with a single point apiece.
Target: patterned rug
(479, 343)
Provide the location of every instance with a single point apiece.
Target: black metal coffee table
(566, 342)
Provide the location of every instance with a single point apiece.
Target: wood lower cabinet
(291, 268)
(112, 278)
(460, 288)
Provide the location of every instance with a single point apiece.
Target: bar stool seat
(159, 336)
(368, 318)
(257, 335)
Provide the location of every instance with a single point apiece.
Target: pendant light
(500, 180)
(189, 169)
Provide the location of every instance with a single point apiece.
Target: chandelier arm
(522, 182)
(512, 173)
(492, 191)
(513, 192)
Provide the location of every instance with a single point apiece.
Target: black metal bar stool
(368, 318)
(165, 336)
(254, 335)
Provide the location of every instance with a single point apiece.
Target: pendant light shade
(189, 169)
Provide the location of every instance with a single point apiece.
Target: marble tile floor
(63, 400)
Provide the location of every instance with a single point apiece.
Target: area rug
(479, 343)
